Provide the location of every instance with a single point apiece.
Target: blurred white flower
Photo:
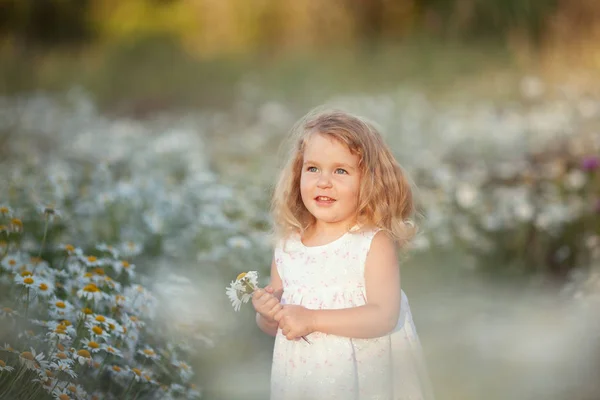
(576, 179)
(466, 195)
(524, 211)
(239, 242)
(532, 87)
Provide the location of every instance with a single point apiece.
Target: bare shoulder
(383, 245)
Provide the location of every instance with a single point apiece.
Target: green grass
(143, 77)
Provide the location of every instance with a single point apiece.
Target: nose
(324, 181)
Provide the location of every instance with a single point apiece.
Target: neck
(331, 229)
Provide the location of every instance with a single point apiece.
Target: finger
(272, 302)
(258, 294)
(269, 289)
(278, 315)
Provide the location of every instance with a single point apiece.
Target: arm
(276, 288)
(380, 315)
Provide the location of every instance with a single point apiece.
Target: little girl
(342, 324)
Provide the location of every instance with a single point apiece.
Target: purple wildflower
(590, 163)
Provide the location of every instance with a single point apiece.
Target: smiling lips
(324, 200)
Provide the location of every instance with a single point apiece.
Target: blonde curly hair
(385, 195)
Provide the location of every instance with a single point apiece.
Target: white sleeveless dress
(334, 367)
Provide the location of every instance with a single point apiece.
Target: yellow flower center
(240, 276)
(61, 355)
(99, 271)
(87, 311)
(28, 281)
(49, 373)
(61, 347)
(133, 318)
(93, 345)
(64, 397)
(69, 248)
(25, 273)
(88, 275)
(149, 352)
(65, 322)
(97, 330)
(2, 364)
(72, 388)
(7, 310)
(110, 350)
(17, 221)
(60, 329)
(116, 368)
(27, 355)
(91, 288)
(111, 326)
(84, 353)
(35, 260)
(43, 286)
(125, 264)
(137, 371)
(100, 318)
(96, 364)
(12, 262)
(60, 304)
(3, 210)
(92, 258)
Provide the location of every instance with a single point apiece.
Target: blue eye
(341, 171)
(311, 169)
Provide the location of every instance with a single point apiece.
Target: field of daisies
(119, 236)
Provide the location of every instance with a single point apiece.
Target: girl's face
(330, 181)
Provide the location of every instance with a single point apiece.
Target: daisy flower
(64, 366)
(32, 360)
(149, 353)
(111, 350)
(82, 356)
(60, 308)
(97, 331)
(90, 292)
(240, 291)
(16, 225)
(91, 261)
(71, 250)
(45, 288)
(11, 262)
(8, 312)
(61, 394)
(108, 249)
(122, 265)
(6, 211)
(7, 347)
(4, 367)
(50, 212)
(91, 346)
(185, 371)
(131, 249)
(29, 281)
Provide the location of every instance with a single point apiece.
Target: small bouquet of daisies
(240, 291)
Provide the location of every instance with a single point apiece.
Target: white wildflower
(240, 291)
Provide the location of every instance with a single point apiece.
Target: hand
(295, 321)
(265, 303)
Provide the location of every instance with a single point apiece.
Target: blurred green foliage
(208, 27)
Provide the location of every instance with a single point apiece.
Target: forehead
(319, 147)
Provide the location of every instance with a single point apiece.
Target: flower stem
(129, 387)
(27, 305)
(44, 238)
